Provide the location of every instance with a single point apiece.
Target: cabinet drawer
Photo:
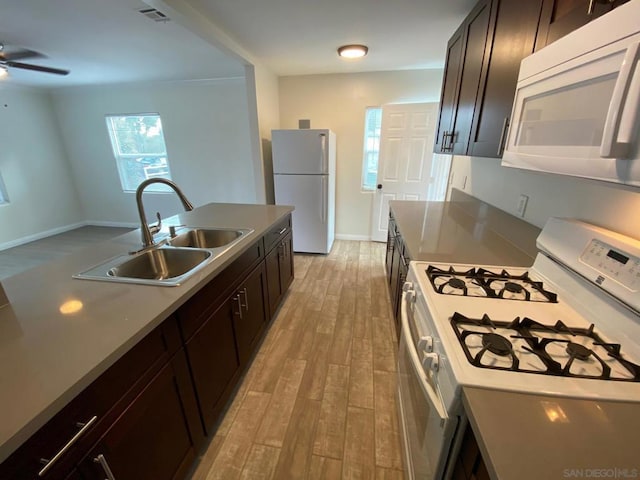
(194, 313)
(277, 232)
(104, 399)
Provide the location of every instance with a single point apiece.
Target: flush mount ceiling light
(352, 51)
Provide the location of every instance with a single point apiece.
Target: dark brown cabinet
(397, 264)
(465, 56)
(560, 17)
(153, 438)
(119, 402)
(513, 34)
(146, 417)
(279, 263)
(470, 465)
(213, 358)
(250, 312)
(483, 60)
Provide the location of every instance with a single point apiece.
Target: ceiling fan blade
(37, 68)
(20, 54)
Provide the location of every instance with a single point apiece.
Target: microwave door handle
(434, 398)
(610, 147)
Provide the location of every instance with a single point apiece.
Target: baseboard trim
(40, 235)
(100, 223)
(346, 236)
(55, 231)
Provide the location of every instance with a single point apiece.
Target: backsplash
(608, 205)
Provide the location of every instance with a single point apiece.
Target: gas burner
(457, 283)
(545, 349)
(496, 344)
(516, 287)
(578, 351)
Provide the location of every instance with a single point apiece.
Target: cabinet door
(153, 439)
(391, 237)
(474, 59)
(449, 96)
(395, 272)
(560, 17)
(514, 25)
(286, 263)
(214, 362)
(250, 312)
(272, 264)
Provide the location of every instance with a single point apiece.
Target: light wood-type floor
(319, 399)
(23, 257)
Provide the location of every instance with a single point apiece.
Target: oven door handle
(432, 395)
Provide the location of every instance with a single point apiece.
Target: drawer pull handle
(237, 299)
(48, 464)
(105, 466)
(246, 299)
(282, 231)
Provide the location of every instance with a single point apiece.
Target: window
(139, 149)
(373, 121)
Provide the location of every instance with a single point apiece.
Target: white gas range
(567, 326)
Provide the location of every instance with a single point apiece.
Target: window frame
(367, 152)
(121, 159)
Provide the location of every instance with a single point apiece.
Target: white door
(407, 167)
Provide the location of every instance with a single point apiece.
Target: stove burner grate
(490, 284)
(533, 333)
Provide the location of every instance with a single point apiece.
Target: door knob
(379, 186)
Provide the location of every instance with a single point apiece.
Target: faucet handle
(156, 228)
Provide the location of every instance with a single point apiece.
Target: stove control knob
(431, 361)
(426, 343)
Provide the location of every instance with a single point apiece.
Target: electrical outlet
(522, 205)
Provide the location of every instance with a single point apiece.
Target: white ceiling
(108, 41)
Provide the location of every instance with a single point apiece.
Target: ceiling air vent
(153, 14)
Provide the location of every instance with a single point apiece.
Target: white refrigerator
(304, 175)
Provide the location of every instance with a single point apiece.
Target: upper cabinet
(465, 55)
(560, 17)
(483, 59)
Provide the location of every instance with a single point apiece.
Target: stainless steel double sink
(171, 261)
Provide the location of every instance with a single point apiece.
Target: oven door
(427, 428)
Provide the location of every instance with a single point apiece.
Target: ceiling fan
(8, 60)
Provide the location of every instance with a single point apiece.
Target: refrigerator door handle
(323, 151)
(324, 199)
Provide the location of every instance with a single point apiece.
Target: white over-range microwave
(576, 108)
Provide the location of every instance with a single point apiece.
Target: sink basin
(160, 264)
(167, 266)
(206, 238)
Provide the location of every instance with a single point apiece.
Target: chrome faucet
(147, 232)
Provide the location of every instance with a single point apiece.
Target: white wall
(264, 116)
(206, 130)
(338, 102)
(34, 166)
(608, 205)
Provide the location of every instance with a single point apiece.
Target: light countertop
(533, 437)
(464, 230)
(48, 357)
